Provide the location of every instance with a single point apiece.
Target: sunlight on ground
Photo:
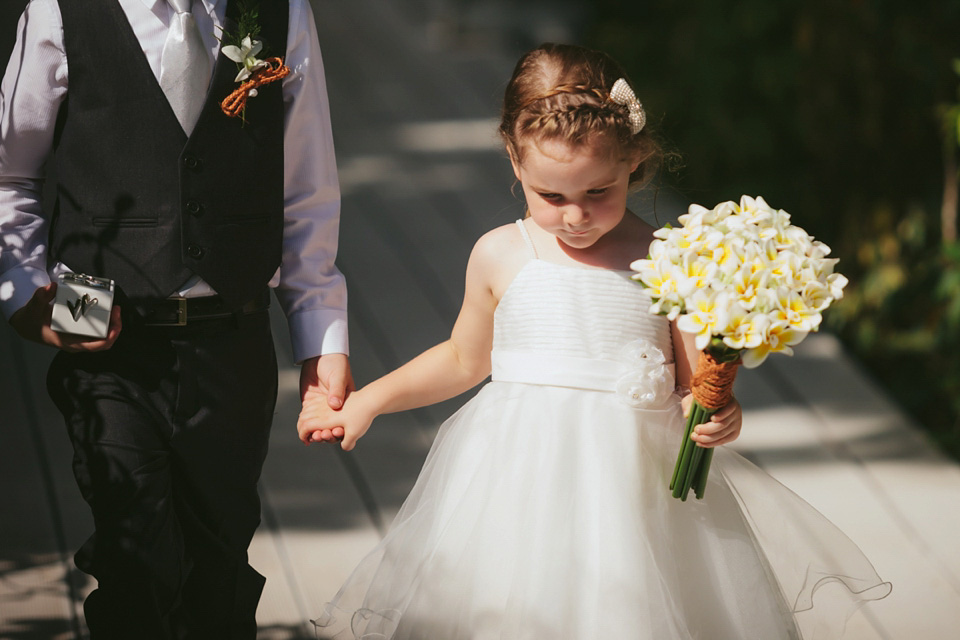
(35, 600)
(449, 136)
(404, 178)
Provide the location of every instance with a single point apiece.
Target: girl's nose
(574, 214)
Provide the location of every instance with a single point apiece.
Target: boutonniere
(243, 47)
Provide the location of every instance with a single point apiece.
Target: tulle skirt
(543, 513)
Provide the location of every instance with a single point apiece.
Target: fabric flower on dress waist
(647, 381)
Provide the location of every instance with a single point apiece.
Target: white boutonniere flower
(253, 73)
(246, 56)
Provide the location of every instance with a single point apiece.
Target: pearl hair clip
(622, 94)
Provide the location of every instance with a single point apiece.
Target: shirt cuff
(318, 332)
(18, 285)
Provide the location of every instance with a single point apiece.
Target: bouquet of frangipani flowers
(747, 283)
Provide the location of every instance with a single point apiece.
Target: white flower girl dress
(542, 511)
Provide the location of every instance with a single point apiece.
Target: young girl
(542, 510)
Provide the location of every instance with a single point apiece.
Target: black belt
(180, 312)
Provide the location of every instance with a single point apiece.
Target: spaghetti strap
(526, 238)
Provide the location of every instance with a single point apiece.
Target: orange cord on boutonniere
(234, 104)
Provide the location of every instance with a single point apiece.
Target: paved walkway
(415, 87)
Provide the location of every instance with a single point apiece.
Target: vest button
(192, 162)
(194, 208)
(195, 251)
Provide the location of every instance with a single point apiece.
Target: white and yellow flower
(670, 305)
(660, 283)
(728, 252)
(836, 282)
(745, 329)
(786, 268)
(797, 313)
(779, 338)
(746, 285)
(695, 272)
(705, 315)
(697, 216)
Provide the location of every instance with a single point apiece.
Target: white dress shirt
(308, 285)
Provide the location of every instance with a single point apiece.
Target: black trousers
(170, 430)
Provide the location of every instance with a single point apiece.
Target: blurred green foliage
(838, 111)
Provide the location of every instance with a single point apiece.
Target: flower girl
(542, 510)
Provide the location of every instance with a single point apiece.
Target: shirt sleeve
(312, 291)
(33, 87)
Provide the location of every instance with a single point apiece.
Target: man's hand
(329, 376)
(32, 322)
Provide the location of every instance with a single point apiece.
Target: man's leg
(113, 410)
(228, 391)
(170, 430)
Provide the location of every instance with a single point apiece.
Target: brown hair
(562, 92)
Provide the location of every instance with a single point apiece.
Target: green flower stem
(693, 461)
(681, 456)
(692, 469)
(696, 473)
(685, 456)
(701, 483)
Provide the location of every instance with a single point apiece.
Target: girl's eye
(550, 196)
(597, 192)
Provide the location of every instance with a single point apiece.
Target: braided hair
(561, 92)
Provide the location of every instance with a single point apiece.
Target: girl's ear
(514, 163)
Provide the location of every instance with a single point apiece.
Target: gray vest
(139, 202)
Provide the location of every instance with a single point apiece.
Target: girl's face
(575, 193)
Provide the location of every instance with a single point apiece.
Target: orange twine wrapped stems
(234, 104)
(712, 383)
(712, 388)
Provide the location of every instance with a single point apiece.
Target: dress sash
(558, 370)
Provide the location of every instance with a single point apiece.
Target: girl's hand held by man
(318, 422)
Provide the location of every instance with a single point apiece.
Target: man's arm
(32, 89)
(312, 291)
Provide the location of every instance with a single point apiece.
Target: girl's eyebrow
(539, 189)
(605, 185)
